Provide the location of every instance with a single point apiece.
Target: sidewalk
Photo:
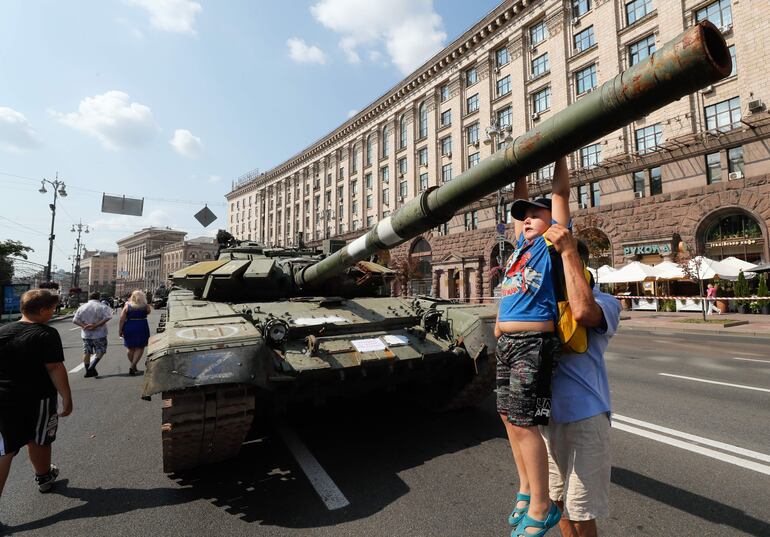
(652, 321)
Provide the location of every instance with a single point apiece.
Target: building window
(369, 221)
(473, 159)
(402, 137)
(724, 116)
(637, 9)
(354, 207)
(402, 167)
(735, 160)
(340, 176)
(504, 86)
(648, 138)
(353, 188)
(369, 150)
(504, 116)
(443, 229)
(386, 196)
(472, 103)
(423, 115)
(731, 48)
(596, 194)
(472, 133)
(471, 76)
(385, 143)
(540, 65)
(384, 174)
(585, 79)
(353, 162)
(502, 57)
(471, 220)
(720, 13)
(368, 180)
(656, 181)
(582, 197)
(369, 199)
(713, 168)
(422, 156)
(403, 190)
(446, 173)
(423, 181)
(444, 92)
(585, 39)
(544, 174)
(590, 155)
(580, 7)
(641, 49)
(446, 118)
(446, 146)
(541, 100)
(639, 183)
(538, 33)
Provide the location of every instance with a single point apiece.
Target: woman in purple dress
(134, 328)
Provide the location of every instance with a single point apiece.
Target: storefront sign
(645, 249)
(736, 242)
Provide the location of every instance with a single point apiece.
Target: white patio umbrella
(602, 271)
(707, 269)
(740, 264)
(667, 270)
(633, 272)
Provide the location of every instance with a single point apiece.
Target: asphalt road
(690, 458)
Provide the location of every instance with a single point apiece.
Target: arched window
(421, 259)
(368, 150)
(402, 137)
(385, 143)
(423, 113)
(354, 160)
(732, 233)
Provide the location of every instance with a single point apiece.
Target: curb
(763, 335)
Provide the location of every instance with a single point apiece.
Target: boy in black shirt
(31, 373)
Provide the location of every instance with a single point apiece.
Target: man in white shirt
(92, 317)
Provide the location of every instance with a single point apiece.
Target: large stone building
(695, 173)
(131, 253)
(98, 271)
(172, 257)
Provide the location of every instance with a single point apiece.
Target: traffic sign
(501, 228)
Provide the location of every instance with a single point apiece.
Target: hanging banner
(122, 205)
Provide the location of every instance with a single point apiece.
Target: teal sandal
(518, 512)
(551, 519)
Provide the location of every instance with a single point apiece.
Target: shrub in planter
(742, 290)
(762, 291)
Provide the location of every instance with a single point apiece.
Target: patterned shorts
(94, 346)
(525, 365)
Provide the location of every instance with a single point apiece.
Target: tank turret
(259, 328)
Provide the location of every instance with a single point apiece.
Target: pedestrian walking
(528, 349)
(92, 317)
(32, 373)
(134, 328)
(711, 300)
(578, 435)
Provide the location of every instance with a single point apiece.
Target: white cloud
(213, 179)
(186, 144)
(176, 16)
(112, 119)
(352, 112)
(16, 134)
(301, 52)
(409, 30)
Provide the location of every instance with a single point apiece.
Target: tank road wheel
(204, 425)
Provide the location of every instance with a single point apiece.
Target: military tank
(259, 328)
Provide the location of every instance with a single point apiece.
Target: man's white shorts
(579, 466)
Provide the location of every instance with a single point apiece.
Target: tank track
(479, 387)
(204, 425)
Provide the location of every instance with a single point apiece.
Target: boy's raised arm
(560, 193)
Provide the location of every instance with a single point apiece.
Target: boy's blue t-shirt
(527, 292)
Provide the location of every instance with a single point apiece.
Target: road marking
(322, 483)
(752, 360)
(724, 457)
(699, 439)
(77, 368)
(748, 353)
(76, 328)
(716, 382)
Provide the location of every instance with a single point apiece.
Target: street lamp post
(59, 188)
(79, 228)
(499, 134)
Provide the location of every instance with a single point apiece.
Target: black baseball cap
(519, 207)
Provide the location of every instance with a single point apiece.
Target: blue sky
(172, 99)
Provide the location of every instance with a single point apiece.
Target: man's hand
(66, 407)
(561, 238)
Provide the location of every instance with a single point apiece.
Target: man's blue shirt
(580, 389)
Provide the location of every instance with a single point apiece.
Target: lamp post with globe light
(79, 228)
(59, 189)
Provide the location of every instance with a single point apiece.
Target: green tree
(741, 288)
(762, 289)
(10, 248)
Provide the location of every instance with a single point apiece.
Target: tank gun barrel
(693, 60)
